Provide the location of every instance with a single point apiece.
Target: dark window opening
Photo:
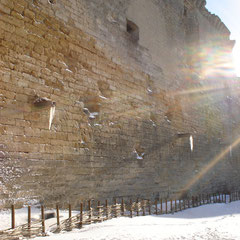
(133, 30)
(185, 11)
(52, 1)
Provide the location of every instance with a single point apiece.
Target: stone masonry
(132, 82)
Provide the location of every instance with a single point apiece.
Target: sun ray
(210, 165)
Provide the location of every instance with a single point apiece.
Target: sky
(229, 12)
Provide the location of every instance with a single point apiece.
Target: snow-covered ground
(213, 221)
(21, 217)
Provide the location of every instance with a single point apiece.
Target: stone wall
(125, 109)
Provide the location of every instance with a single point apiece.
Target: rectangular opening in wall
(133, 30)
(185, 11)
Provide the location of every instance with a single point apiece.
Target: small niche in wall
(52, 1)
(133, 30)
(185, 11)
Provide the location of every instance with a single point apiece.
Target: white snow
(93, 115)
(212, 221)
(191, 142)
(102, 97)
(51, 116)
(138, 155)
(21, 216)
(149, 90)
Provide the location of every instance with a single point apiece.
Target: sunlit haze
(228, 11)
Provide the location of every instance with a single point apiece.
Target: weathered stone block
(120, 105)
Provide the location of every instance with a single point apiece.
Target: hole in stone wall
(153, 119)
(133, 30)
(42, 103)
(139, 151)
(169, 116)
(52, 1)
(104, 88)
(91, 105)
(185, 11)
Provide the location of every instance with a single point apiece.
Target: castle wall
(124, 113)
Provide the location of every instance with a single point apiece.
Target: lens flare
(210, 165)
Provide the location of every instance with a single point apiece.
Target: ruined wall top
(213, 19)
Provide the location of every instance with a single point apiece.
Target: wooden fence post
(70, 215)
(29, 217)
(137, 208)
(89, 212)
(99, 211)
(171, 205)
(176, 208)
(43, 219)
(58, 217)
(180, 205)
(81, 215)
(166, 210)
(143, 207)
(131, 213)
(115, 204)
(122, 207)
(161, 206)
(156, 208)
(149, 207)
(106, 206)
(69, 211)
(13, 216)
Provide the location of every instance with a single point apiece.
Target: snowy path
(214, 221)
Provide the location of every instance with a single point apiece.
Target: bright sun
(228, 11)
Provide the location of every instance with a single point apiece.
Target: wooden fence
(92, 211)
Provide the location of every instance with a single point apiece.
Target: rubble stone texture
(125, 105)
